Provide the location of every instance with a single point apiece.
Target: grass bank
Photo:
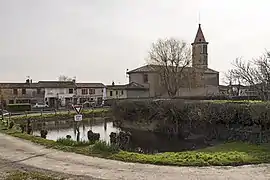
(234, 153)
(100, 112)
(19, 175)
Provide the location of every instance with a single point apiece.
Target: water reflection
(68, 127)
(141, 141)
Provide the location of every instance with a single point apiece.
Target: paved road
(26, 153)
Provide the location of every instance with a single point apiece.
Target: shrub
(103, 147)
(70, 142)
(18, 107)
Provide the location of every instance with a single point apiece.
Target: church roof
(199, 36)
(155, 68)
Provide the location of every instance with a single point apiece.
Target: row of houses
(52, 93)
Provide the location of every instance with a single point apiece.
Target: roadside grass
(62, 115)
(19, 175)
(234, 101)
(233, 153)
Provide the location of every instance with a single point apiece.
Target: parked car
(5, 113)
(89, 104)
(40, 105)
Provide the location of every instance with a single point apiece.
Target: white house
(90, 92)
(59, 93)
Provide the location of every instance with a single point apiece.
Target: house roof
(129, 86)
(155, 68)
(18, 85)
(90, 85)
(57, 84)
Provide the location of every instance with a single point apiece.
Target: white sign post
(78, 117)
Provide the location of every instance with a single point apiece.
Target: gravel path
(28, 154)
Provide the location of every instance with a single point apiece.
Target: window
(145, 78)
(91, 91)
(70, 91)
(38, 91)
(116, 93)
(122, 92)
(11, 102)
(204, 49)
(84, 91)
(15, 91)
(23, 91)
(111, 93)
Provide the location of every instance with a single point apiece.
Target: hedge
(18, 107)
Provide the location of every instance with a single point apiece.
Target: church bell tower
(199, 50)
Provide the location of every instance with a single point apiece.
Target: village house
(199, 79)
(16, 93)
(130, 90)
(59, 93)
(91, 92)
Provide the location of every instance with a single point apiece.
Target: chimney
(27, 81)
(113, 83)
(31, 81)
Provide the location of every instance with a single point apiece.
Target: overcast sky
(97, 40)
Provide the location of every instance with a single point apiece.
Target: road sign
(77, 108)
(78, 117)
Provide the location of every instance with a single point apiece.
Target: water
(141, 141)
(60, 129)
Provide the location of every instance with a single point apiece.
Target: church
(200, 80)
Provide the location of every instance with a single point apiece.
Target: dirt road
(26, 153)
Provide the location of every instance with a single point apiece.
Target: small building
(130, 90)
(16, 93)
(91, 92)
(59, 93)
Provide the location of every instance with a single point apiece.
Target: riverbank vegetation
(247, 121)
(100, 112)
(234, 153)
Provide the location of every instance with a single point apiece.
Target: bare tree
(254, 73)
(234, 81)
(171, 56)
(64, 78)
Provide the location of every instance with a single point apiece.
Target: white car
(5, 113)
(40, 105)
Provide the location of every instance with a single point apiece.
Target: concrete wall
(153, 82)
(211, 79)
(137, 93)
(122, 93)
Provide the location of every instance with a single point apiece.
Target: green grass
(235, 101)
(70, 142)
(102, 147)
(234, 153)
(62, 115)
(19, 175)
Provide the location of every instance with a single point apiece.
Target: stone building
(199, 79)
(17, 93)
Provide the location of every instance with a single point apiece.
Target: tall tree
(254, 73)
(64, 78)
(171, 56)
